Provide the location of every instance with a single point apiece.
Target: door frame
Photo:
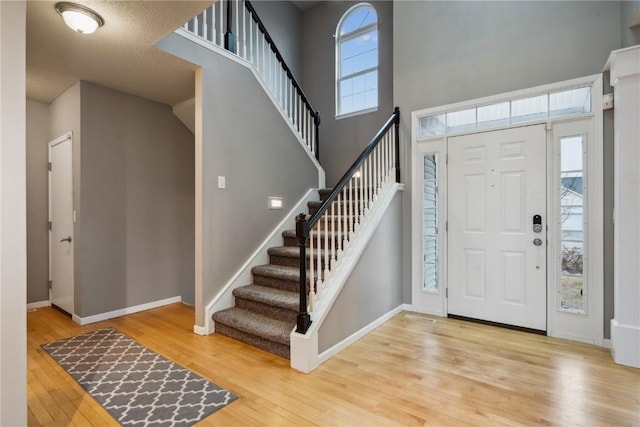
(595, 258)
(51, 144)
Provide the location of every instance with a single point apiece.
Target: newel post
(302, 232)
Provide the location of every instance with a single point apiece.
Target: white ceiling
(120, 55)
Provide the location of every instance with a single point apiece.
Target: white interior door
(496, 265)
(61, 220)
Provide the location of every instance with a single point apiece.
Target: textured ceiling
(120, 55)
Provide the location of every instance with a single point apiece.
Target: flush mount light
(79, 18)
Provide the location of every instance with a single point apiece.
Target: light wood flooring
(405, 373)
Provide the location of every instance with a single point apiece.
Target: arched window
(357, 60)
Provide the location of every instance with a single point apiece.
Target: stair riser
(255, 341)
(289, 241)
(313, 208)
(289, 261)
(287, 285)
(267, 310)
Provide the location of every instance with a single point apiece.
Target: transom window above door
(357, 61)
(531, 109)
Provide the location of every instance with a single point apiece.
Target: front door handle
(66, 239)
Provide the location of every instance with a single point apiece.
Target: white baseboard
(410, 307)
(199, 330)
(124, 311)
(625, 344)
(39, 304)
(606, 343)
(327, 354)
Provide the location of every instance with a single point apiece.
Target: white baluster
(369, 182)
(204, 24)
(334, 249)
(327, 263)
(366, 183)
(312, 287)
(221, 18)
(237, 28)
(374, 173)
(379, 166)
(319, 256)
(348, 211)
(244, 31)
(341, 231)
(386, 157)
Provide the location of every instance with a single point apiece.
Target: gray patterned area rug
(135, 385)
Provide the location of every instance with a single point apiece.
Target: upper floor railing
(332, 228)
(234, 25)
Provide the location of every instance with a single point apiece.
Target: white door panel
(61, 216)
(497, 183)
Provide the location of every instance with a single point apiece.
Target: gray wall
(65, 117)
(133, 192)
(630, 36)
(446, 52)
(137, 203)
(37, 207)
(342, 141)
(284, 23)
(373, 284)
(245, 139)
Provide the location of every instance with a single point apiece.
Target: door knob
(66, 239)
(537, 242)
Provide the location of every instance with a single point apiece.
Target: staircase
(265, 311)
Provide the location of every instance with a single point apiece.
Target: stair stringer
(225, 299)
(304, 347)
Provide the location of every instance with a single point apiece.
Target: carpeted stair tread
(255, 324)
(267, 295)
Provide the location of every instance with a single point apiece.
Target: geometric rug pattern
(137, 386)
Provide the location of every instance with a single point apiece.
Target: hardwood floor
(407, 372)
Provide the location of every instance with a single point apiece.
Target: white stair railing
(234, 25)
(330, 231)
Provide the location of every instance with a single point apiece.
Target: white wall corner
(625, 326)
(304, 351)
(200, 330)
(625, 344)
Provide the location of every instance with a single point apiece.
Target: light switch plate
(222, 182)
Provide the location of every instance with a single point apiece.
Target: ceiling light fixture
(79, 18)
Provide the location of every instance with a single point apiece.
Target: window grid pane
(572, 220)
(430, 223)
(556, 104)
(357, 46)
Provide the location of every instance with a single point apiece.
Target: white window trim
(433, 303)
(338, 61)
(594, 238)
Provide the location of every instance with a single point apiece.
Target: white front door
(61, 220)
(496, 261)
